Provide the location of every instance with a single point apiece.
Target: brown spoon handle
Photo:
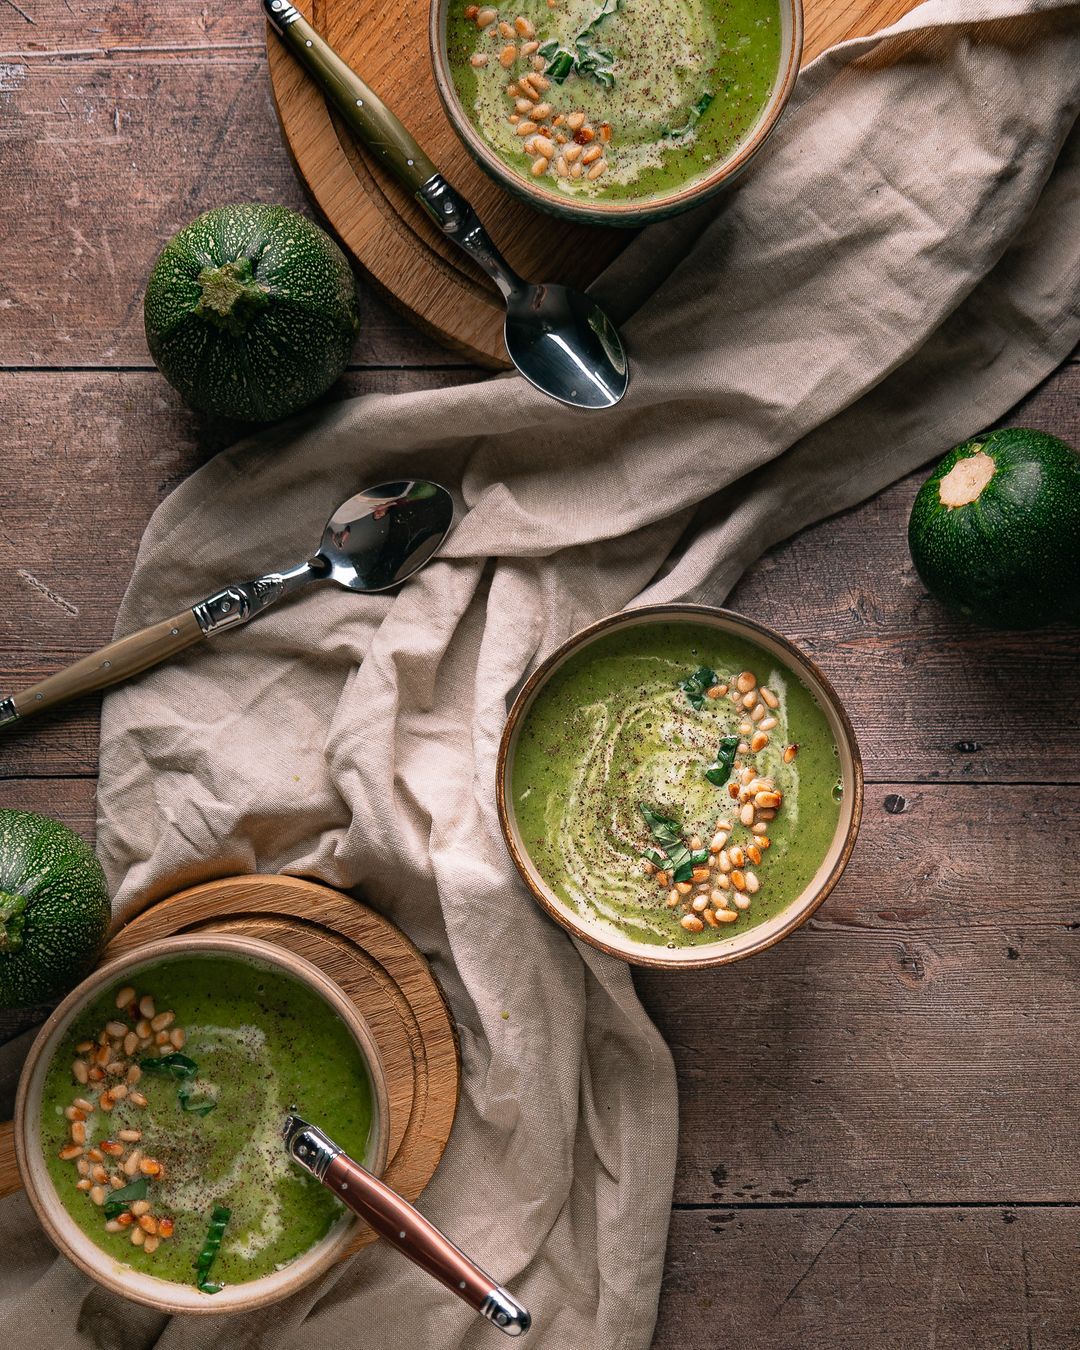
(118, 661)
(406, 1229)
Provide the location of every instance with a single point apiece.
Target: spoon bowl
(383, 535)
(565, 345)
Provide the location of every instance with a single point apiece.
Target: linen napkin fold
(900, 266)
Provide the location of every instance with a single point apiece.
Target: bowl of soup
(679, 786)
(149, 1115)
(615, 112)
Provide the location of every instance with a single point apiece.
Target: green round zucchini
(251, 312)
(995, 529)
(54, 909)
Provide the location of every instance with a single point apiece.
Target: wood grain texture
(379, 221)
(912, 1043)
(375, 965)
(945, 702)
(923, 1278)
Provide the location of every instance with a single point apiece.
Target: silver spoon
(372, 542)
(404, 1227)
(560, 340)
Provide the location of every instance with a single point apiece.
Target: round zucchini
(251, 312)
(54, 909)
(995, 529)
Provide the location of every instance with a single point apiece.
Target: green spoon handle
(366, 114)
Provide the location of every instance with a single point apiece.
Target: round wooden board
(377, 967)
(379, 222)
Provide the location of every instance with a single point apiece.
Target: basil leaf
(681, 862)
(657, 859)
(662, 828)
(219, 1219)
(586, 59)
(194, 1106)
(124, 1198)
(719, 772)
(694, 686)
(560, 65)
(692, 117)
(700, 857)
(170, 1066)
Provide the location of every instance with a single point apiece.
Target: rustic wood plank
(104, 156)
(870, 1279)
(914, 1041)
(97, 452)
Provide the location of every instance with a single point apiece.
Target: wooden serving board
(377, 967)
(378, 221)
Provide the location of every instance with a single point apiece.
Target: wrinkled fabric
(900, 266)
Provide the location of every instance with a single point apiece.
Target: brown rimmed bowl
(624, 212)
(62, 1229)
(720, 949)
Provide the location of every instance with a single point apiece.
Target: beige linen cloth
(897, 270)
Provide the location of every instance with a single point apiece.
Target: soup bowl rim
(61, 1227)
(627, 212)
(720, 950)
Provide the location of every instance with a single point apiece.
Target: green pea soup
(658, 94)
(262, 1043)
(613, 730)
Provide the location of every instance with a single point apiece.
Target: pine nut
(125, 1220)
(718, 841)
(713, 691)
(575, 170)
(575, 120)
(766, 814)
(661, 878)
(717, 896)
(113, 1226)
(486, 16)
(733, 790)
(165, 1228)
(745, 681)
(759, 827)
(700, 903)
(131, 1163)
(116, 1181)
(692, 923)
(129, 1136)
(150, 1167)
(593, 152)
(512, 91)
(741, 901)
(525, 28)
(73, 1113)
(80, 1070)
(506, 30)
(736, 856)
(82, 1167)
(769, 800)
(112, 1148)
(178, 1037)
(151, 1243)
(146, 1006)
(538, 63)
(137, 1098)
(540, 82)
(699, 875)
(140, 1207)
(539, 167)
(523, 106)
(673, 899)
(527, 48)
(758, 712)
(84, 1047)
(142, 1029)
(98, 1172)
(759, 742)
(118, 1092)
(738, 880)
(116, 1069)
(544, 146)
(753, 853)
(138, 1237)
(790, 752)
(525, 128)
(711, 919)
(78, 1132)
(507, 57)
(683, 887)
(746, 815)
(571, 152)
(605, 136)
(726, 915)
(161, 1038)
(748, 700)
(752, 883)
(131, 1043)
(768, 723)
(542, 111)
(84, 1185)
(106, 1101)
(133, 1074)
(562, 168)
(117, 1030)
(743, 747)
(723, 861)
(70, 1151)
(97, 1194)
(95, 1155)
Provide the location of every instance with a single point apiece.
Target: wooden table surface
(878, 1135)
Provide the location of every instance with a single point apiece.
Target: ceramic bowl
(625, 212)
(721, 949)
(65, 1232)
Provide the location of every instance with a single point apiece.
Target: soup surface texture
(655, 723)
(260, 1043)
(614, 99)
